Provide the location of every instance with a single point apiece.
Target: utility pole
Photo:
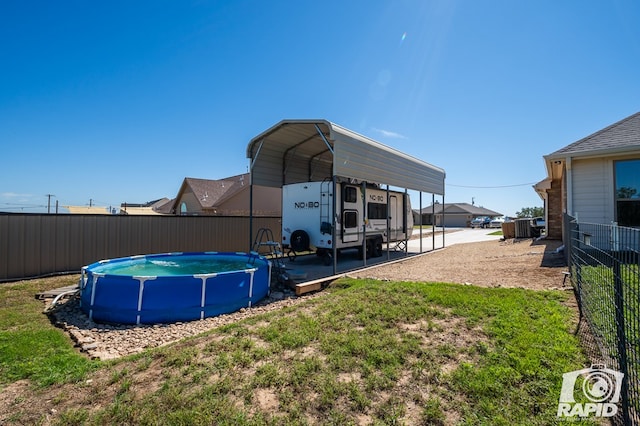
(49, 202)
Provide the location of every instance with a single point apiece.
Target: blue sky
(119, 101)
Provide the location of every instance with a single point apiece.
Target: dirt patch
(535, 265)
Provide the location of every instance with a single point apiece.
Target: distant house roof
(212, 193)
(621, 136)
(88, 209)
(155, 207)
(459, 208)
(163, 206)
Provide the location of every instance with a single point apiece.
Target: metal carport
(295, 151)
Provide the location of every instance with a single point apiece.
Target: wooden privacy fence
(34, 245)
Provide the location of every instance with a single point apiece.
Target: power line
(492, 187)
(21, 207)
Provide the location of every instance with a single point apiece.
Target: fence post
(574, 266)
(620, 332)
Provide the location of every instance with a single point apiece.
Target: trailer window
(350, 219)
(350, 194)
(377, 211)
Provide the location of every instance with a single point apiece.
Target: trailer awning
(295, 151)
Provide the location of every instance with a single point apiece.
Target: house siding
(192, 203)
(593, 190)
(585, 169)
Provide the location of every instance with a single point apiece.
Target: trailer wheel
(376, 247)
(368, 250)
(299, 241)
(373, 248)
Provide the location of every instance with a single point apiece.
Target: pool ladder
(265, 245)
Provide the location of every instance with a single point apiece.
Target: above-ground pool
(164, 288)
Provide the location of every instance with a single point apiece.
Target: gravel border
(111, 341)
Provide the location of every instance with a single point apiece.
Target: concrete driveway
(312, 271)
(451, 236)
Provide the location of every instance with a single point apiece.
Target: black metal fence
(604, 265)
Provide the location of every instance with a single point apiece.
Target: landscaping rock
(110, 341)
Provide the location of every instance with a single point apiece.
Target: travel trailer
(367, 217)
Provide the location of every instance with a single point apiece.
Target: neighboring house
(90, 210)
(596, 178)
(157, 207)
(226, 197)
(455, 214)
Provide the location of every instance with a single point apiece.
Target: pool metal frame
(141, 299)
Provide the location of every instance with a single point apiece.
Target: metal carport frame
(295, 151)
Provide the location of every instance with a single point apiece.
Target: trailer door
(350, 214)
(394, 218)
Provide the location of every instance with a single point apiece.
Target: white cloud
(13, 195)
(389, 134)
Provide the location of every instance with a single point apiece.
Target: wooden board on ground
(51, 294)
(308, 287)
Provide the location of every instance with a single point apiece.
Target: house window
(183, 208)
(628, 192)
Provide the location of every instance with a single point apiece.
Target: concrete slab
(348, 260)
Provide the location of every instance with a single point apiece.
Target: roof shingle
(211, 193)
(464, 208)
(623, 134)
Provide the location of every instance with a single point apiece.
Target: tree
(530, 212)
(626, 192)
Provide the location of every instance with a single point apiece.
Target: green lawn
(30, 347)
(366, 351)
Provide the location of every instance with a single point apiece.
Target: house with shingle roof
(453, 214)
(226, 197)
(596, 178)
(161, 206)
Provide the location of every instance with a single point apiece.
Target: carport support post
(250, 216)
(442, 220)
(364, 223)
(420, 217)
(334, 246)
(388, 222)
(433, 221)
(404, 220)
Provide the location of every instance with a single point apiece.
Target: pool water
(145, 267)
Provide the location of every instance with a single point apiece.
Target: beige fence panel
(35, 245)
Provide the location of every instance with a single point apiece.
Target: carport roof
(295, 151)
